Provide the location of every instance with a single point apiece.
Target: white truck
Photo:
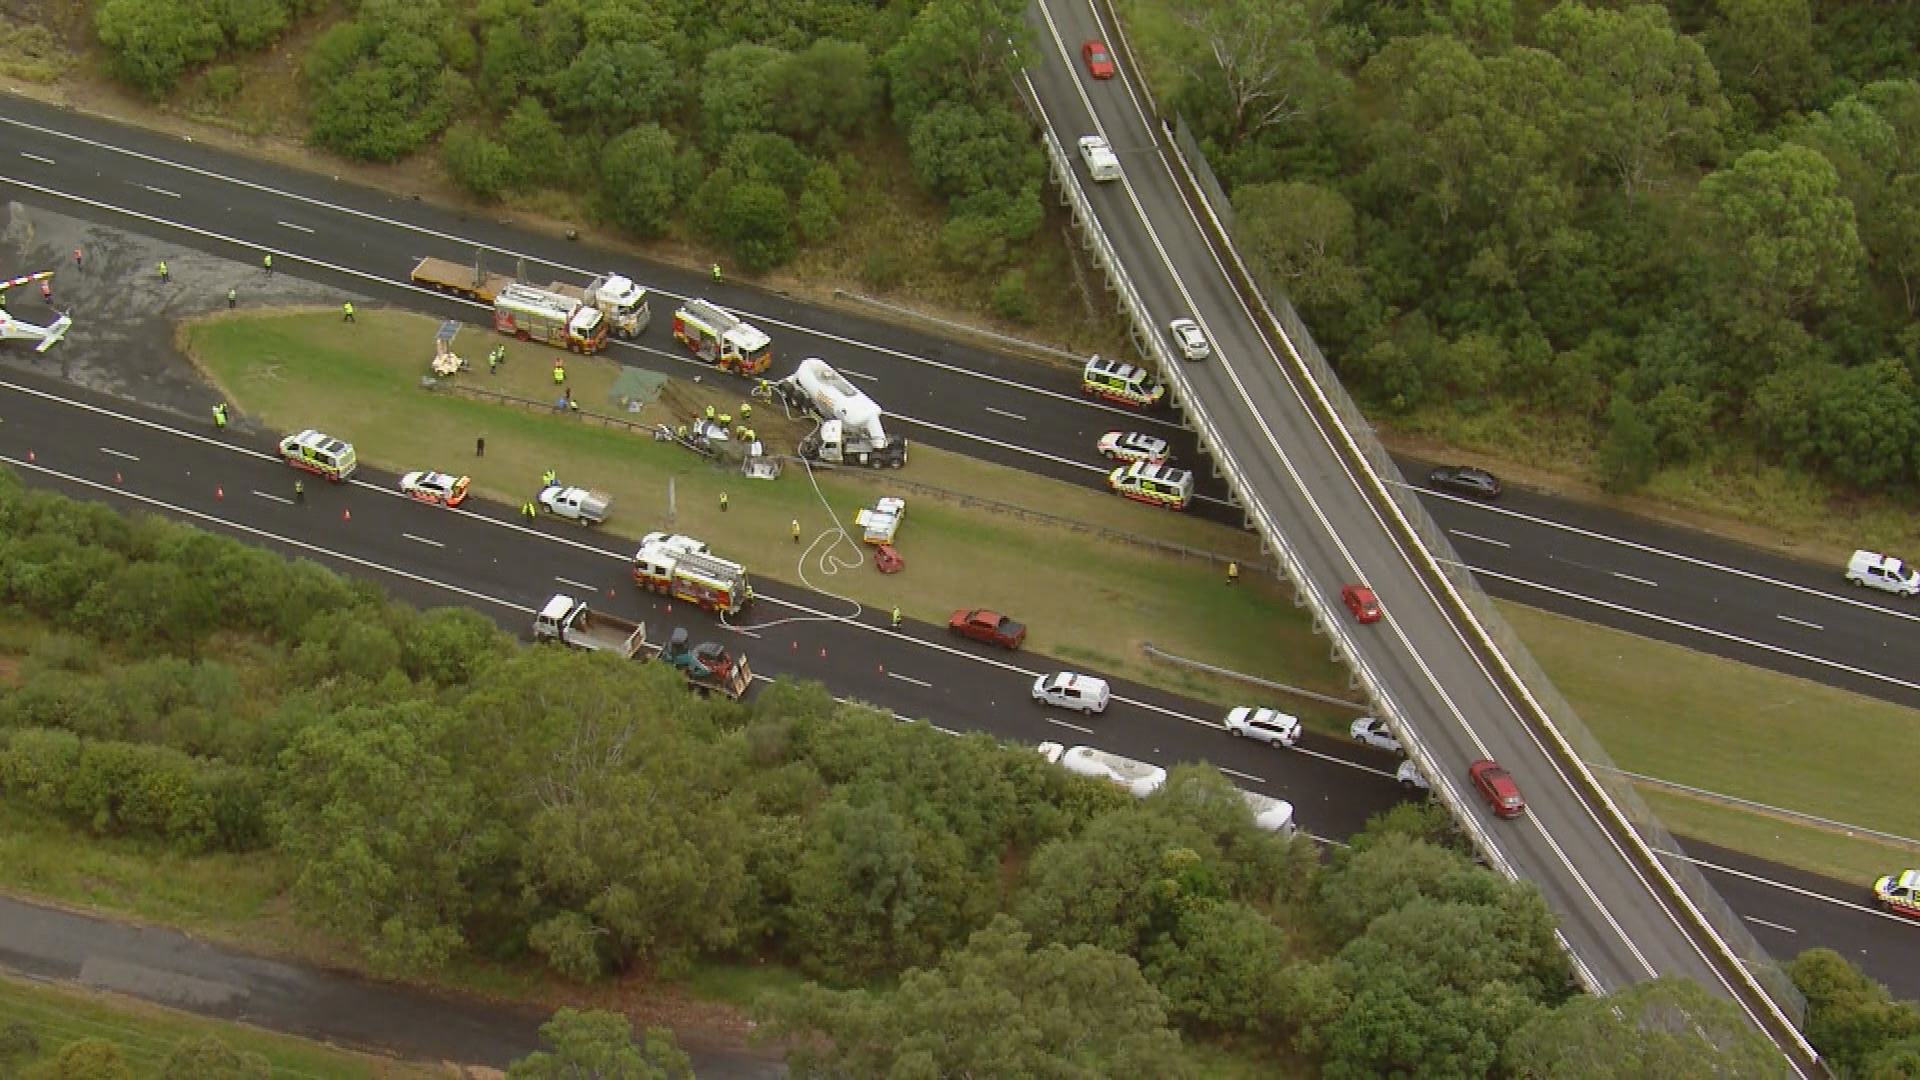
(1102, 163)
(618, 298)
(572, 623)
(576, 503)
(850, 431)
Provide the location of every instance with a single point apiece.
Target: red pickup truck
(990, 627)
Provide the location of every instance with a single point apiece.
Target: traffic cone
(823, 654)
(29, 457)
(346, 514)
(116, 477)
(219, 493)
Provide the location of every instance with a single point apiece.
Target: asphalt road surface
(214, 213)
(485, 559)
(171, 968)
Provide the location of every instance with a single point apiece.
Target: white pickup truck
(576, 504)
(1101, 161)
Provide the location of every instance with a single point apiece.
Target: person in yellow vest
(347, 308)
(716, 273)
(547, 478)
(220, 416)
(896, 616)
(723, 502)
(796, 530)
(1233, 573)
(710, 412)
(529, 510)
(559, 373)
(746, 412)
(163, 269)
(233, 297)
(266, 263)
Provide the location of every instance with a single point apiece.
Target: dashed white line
(1005, 413)
(908, 679)
(1770, 925)
(1071, 727)
(122, 454)
(37, 157)
(1636, 580)
(291, 225)
(578, 584)
(1482, 539)
(275, 498)
(1242, 775)
(857, 374)
(161, 191)
(1800, 622)
(423, 540)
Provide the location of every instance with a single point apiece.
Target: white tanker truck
(850, 431)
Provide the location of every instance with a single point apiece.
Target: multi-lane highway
(135, 458)
(1428, 663)
(1589, 563)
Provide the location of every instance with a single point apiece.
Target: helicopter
(12, 329)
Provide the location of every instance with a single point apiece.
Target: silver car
(1192, 341)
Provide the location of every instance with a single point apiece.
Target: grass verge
(1086, 600)
(145, 1033)
(1848, 857)
(1710, 723)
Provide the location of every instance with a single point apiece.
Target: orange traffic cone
(29, 457)
(116, 476)
(219, 493)
(346, 514)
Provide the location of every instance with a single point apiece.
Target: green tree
(1391, 872)
(958, 150)
(637, 180)
(91, 1058)
(476, 162)
(1668, 1028)
(955, 51)
(1221, 968)
(1850, 1017)
(829, 86)
(151, 43)
(1646, 97)
(375, 84)
(611, 86)
(1304, 238)
(1780, 236)
(756, 221)
(207, 1058)
(823, 198)
(1892, 237)
(737, 90)
(600, 1044)
(1895, 1061)
(1264, 61)
(1764, 49)
(383, 831)
(250, 24)
(1630, 449)
(992, 1008)
(541, 155)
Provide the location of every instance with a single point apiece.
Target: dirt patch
(9, 671)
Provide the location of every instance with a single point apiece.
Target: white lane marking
(595, 589)
(276, 498)
(1005, 413)
(1636, 580)
(1800, 622)
(857, 375)
(37, 157)
(1679, 557)
(291, 225)
(122, 454)
(1482, 539)
(1241, 775)
(679, 357)
(468, 244)
(1393, 540)
(1667, 620)
(1811, 894)
(423, 540)
(1769, 925)
(1073, 727)
(161, 191)
(908, 679)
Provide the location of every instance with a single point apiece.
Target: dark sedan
(1465, 480)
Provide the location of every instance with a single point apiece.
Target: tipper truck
(619, 299)
(572, 623)
(850, 431)
(722, 338)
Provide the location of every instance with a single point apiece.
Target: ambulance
(1122, 383)
(1161, 485)
(682, 568)
(320, 453)
(1900, 893)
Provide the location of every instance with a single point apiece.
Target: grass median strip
(1086, 599)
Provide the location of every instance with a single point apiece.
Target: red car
(986, 626)
(1099, 61)
(1496, 785)
(1359, 600)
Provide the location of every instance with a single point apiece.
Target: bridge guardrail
(1559, 716)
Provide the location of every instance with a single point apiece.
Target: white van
(1082, 693)
(1883, 572)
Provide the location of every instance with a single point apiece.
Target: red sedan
(1359, 600)
(1099, 60)
(1496, 786)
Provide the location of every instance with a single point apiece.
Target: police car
(438, 488)
(1161, 485)
(1133, 446)
(1900, 893)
